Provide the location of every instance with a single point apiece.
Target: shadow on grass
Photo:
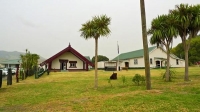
(3, 89)
(14, 108)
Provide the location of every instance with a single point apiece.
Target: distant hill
(5, 55)
(9, 55)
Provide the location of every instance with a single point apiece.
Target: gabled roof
(132, 54)
(67, 49)
(88, 57)
(171, 55)
(174, 56)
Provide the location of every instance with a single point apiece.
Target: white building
(107, 65)
(10, 63)
(157, 56)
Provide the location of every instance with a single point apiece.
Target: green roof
(132, 54)
(13, 61)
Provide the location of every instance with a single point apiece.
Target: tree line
(193, 53)
(100, 58)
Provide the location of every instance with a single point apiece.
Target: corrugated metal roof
(132, 54)
(13, 61)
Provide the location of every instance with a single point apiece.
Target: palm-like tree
(96, 28)
(162, 32)
(23, 64)
(188, 25)
(145, 45)
(28, 62)
(34, 60)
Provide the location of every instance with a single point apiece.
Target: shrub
(138, 79)
(172, 74)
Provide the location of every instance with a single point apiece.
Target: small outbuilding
(10, 63)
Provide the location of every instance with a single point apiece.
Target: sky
(46, 27)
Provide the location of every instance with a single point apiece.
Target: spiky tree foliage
(145, 45)
(94, 29)
(188, 25)
(28, 62)
(162, 32)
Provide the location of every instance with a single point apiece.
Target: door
(127, 64)
(63, 64)
(158, 64)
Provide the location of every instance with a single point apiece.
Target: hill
(5, 55)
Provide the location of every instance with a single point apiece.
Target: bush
(172, 74)
(138, 79)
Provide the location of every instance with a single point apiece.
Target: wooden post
(86, 66)
(17, 76)
(145, 45)
(9, 77)
(0, 78)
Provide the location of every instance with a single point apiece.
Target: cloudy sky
(46, 27)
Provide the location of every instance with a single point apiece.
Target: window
(72, 64)
(177, 63)
(135, 61)
(151, 61)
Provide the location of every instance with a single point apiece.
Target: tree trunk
(186, 49)
(96, 54)
(186, 64)
(145, 45)
(22, 74)
(26, 75)
(167, 75)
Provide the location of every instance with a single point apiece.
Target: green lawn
(73, 91)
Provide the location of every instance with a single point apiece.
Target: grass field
(73, 92)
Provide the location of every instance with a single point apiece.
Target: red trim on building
(72, 61)
(63, 60)
(86, 66)
(49, 65)
(68, 49)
